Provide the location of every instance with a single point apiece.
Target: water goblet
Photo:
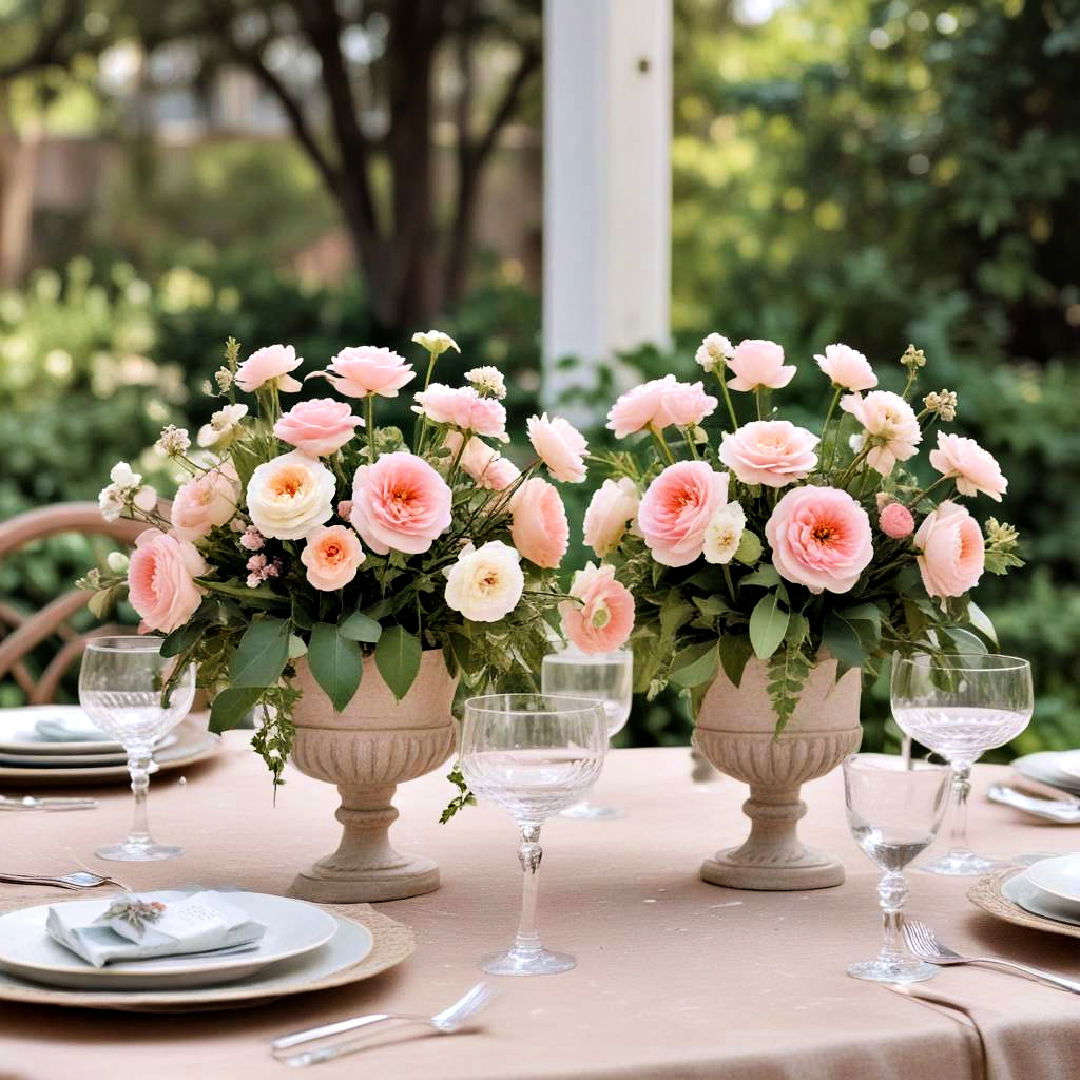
(960, 706)
(120, 689)
(607, 677)
(893, 810)
(533, 755)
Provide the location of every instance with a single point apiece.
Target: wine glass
(607, 677)
(893, 811)
(533, 755)
(961, 706)
(120, 689)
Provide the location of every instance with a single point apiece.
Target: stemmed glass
(533, 755)
(120, 689)
(893, 812)
(607, 677)
(961, 706)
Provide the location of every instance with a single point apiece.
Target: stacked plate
(1060, 769)
(1049, 888)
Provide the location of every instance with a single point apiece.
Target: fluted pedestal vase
(735, 731)
(366, 751)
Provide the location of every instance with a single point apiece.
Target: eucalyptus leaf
(336, 663)
(768, 625)
(397, 656)
(981, 621)
(262, 653)
(360, 627)
(230, 707)
(695, 665)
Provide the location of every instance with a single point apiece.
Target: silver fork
(1064, 810)
(78, 879)
(924, 943)
(448, 1022)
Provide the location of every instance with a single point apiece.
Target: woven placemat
(986, 893)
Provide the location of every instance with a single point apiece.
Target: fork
(448, 1022)
(78, 879)
(924, 943)
(1064, 810)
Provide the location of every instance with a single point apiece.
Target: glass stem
(892, 892)
(139, 767)
(958, 839)
(527, 942)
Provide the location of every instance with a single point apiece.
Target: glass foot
(892, 971)
(960, 864)
(127, 852)
(513, 962)
(590, 812)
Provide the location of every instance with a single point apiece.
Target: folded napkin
(135, 928)
(70, 729)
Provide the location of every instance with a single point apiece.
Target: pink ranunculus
(538, 525)
(687, 404)
(820, 538)
(896, 521)
(770, 452)
(602, 617)
(759, 364)
(269, 365)
(952, 552)
(161, 581)
(975, 469)
(318, 427)
(641, 407)
(847, 368)
(204, 502)
(676, 510)
(890, 425)
(365, 369)
(462, 407)
(485, 465)
(400, 503)
(560, 446)
(332, 555)
(612, 508)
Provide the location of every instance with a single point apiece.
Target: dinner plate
(293, 928)
(1059, 877)
(1068, 762)
(59, 761)
(1042, 767)
(1031, 898)
(17, 734)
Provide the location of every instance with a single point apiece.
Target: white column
(607, 182)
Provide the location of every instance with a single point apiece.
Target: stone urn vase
(735, 731)
(366, 751)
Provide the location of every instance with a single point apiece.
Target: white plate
(17, 734)
(1059, 877)
(1068, 762)
(1030, 897)
(59, 761)
(293, 928)
(1043, 768)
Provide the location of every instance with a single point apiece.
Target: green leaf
(749, 550)
(695, 665)
(870, 613)
(735, 651)
(981, 621)
(398, 656)
(765, 575)
(183, 637)
(768, 625)
(336, 663)
(262, 596)
(262, 653)
(788, 671)
(712, 606)
(231, 707)
(840, 638)
(360, 627)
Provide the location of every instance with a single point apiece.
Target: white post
(607, 182)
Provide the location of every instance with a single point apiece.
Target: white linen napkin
(69, 728)
(204, 920)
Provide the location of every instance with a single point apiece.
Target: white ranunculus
(713, 352)
(435, 341)
(486, 582)
(723, 533)
(289, 496)
(223, 428)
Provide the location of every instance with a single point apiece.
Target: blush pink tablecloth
(675, 978)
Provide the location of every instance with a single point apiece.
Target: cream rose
(613, 507)
(288, 496)
(485, 583)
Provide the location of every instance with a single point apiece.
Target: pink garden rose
(538, 526)
(951, 550)
(400, 503)
(485, 465)
(820, 538)
(462, 407)
(611, 509)
(161, 581)
(602, 616)
(641, 407)
(889, 424)
(204, 502)
(975, 469)
(687, 404)
(847, 368)
(896, 521)
(560, 446)
(332, 554)
(270, 365)
(362, 370)
(757, 364)
(676, 510)
(770, 452)
(318, 427)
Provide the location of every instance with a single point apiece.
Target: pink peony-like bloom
(676, 510)
(611, 509)
(896, 521)
(538, 524)
(161, 581)
(952, 553)
(757, 364)
(204, 502)
(400, 503)
(318, 427)
(974, 468)
(269, 365)
(365, 369)
(602, 617)
(770, 452)
(462, 407)
(641, 407)
(820, 538)
(560, 446)
(485, 465)
(332, 555)
(687, 404)
(847, 368)
(890, 425)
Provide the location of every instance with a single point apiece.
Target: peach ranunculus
(770, 452)
(399, 504)
(332, 555)
(974, 468)
(676, 510)
(463, 407)
(847, 368)
(896, 521)
(951, 550)
(486, 583)
(269, 365)
(318, 427)
(601, 618)
(820, 537)
(687, 404)
(485, 465)
(560, 446)
(289, 495)
(204, 502)
(161, 580)
(890, 427)
(759, 364)
(538, 524)
(611, 509)
(640, 408)
(364, 369)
